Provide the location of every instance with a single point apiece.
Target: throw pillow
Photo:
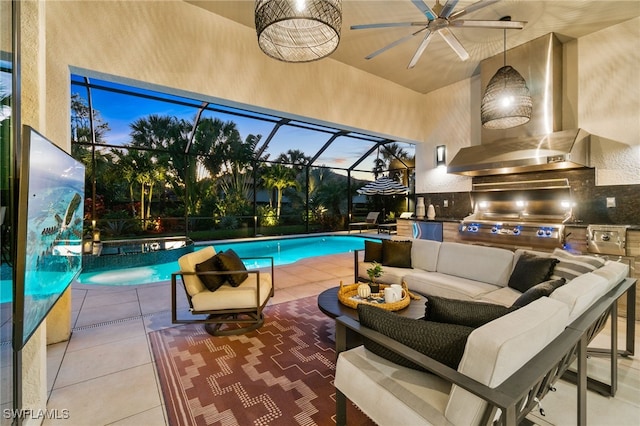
(571, 265)
(372, 251)
(396, 253)
(462, 312)
(531, 270)
(543, 289)
(444, 343)
(211, 281)
(230, 261)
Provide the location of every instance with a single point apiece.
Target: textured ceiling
(439, 65)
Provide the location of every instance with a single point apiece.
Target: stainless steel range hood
(540, 144)
(559, 150)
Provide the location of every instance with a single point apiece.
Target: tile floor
(104, 375)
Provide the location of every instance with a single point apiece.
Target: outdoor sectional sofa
(509, 364)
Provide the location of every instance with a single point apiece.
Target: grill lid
(541, 201)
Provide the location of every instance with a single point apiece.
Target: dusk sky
(119, 110)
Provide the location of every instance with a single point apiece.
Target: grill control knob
(547, 233)
(540, 232)
(516, 231)
(494, 230)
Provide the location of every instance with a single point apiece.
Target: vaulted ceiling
(440, 66)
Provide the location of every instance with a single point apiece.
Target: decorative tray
(348, 296)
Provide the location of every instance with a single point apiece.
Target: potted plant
(374, 272)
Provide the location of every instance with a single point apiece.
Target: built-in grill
(525, 214)
(607, 239)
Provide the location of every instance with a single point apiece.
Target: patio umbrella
(383, 186)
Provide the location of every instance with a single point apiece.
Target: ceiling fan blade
(420, 50)
(426, 10)
(394, 44)
(507, 25)
(390, 25)
(471, 8)
(452, 41)
(448, 8)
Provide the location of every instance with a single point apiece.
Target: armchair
(230, 310)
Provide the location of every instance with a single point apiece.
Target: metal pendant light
(507, 101)
(298, 30)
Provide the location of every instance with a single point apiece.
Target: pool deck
(105, 375)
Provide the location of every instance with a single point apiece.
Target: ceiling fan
(440, 18)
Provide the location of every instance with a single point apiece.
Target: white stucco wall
(176, 45)
(609, 101)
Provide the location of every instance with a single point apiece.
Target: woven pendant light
(298, 30)
(507, 101)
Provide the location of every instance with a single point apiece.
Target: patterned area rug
(281, 374)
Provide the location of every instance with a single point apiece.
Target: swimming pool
(283, 251)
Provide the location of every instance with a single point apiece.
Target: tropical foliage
(176, 175)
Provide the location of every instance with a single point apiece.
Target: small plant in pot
(374, 272)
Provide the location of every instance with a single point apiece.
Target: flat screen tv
(49, 231)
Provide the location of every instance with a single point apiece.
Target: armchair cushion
(211, 281)
(443, 342)
(531, 270)
(250, 294)
(462, 312)
(396, 253)
(230, 261)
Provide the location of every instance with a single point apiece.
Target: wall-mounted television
(49, 230)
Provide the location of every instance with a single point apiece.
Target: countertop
(568, 224)
(437, 219)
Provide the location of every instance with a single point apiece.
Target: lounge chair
(370, 222)
(229, 309)
(392, 227)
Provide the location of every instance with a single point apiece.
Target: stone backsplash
(590, 200)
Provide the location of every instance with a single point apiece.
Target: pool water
(283, 251)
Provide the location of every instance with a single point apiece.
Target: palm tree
(279, 177)
(294, 157)
(394, 153)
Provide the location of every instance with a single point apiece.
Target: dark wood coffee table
(330, 305)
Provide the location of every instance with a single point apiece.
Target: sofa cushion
(444, 285)
(390, 393)
(372, 251)
(211, 281)
(544, 289)
(502, 296)
(424, 254)
(390, 274)
(396, 253)
(499, 348)
(485, 264)
(531, 270)
(570, 265)
(443, 342)
(614, 272)
(230, 261)
(462, 312)
(580, 293)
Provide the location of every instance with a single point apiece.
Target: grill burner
(527, 214)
